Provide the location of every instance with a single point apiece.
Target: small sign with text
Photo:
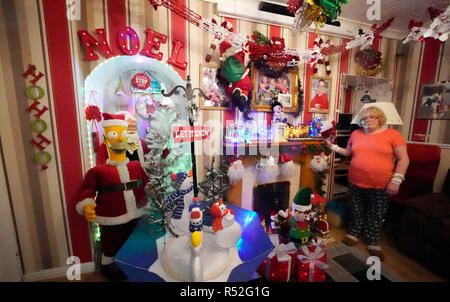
(184, 134)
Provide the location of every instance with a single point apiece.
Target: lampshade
(389, 110)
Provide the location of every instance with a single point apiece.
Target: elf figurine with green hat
(298, 218)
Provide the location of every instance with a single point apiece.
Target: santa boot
(246, 110)
(110, 270)
(235, 98)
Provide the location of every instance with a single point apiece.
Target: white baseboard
(56, 272)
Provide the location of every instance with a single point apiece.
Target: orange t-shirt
(372, 164)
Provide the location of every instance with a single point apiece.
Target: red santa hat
(316, 198)
(224, 46)
(110, 120)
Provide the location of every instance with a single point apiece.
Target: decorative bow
(282, 251)
(312, 259)
(319, 243)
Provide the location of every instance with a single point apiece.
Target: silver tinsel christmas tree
(162, 160)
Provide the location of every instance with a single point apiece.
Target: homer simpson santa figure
(113, 195)
(136, 147)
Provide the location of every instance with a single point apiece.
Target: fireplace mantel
(248, 157)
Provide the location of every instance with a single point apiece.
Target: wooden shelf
(273, 143)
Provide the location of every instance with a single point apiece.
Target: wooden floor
(395, 260)
(402, 265)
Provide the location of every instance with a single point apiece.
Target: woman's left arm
(401, 166)
(402, 159)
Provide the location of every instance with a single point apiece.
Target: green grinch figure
(297, 221)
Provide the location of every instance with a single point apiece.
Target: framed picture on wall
(319, 94)
(284, 89)
(219, 99)
(435, 101)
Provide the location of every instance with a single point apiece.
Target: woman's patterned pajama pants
(368, 208)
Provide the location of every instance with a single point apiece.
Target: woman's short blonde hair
(375, 111)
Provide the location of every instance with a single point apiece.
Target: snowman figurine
(227, 230)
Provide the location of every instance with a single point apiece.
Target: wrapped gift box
(281, 264)
(312, 262)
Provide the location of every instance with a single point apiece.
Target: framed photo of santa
(319, 94)
(218, 98)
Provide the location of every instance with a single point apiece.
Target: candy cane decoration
(322, 59)
(212, 48)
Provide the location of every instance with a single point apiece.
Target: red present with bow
(312, 262)
(280, 264)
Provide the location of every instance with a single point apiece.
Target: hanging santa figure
(113, 195)
(236, 73)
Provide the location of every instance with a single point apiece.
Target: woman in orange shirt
(373, 176)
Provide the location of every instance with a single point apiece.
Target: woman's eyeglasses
(368, 118)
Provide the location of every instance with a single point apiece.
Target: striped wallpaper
(39, 33)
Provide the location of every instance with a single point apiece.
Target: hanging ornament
(286, 164)
(236, 171)
(332, 8)
(319, 45)
(370, 62)
(93, 114)
(217, 38)
(294, 5)
(366, 39)
(416, 31)
(440, 28)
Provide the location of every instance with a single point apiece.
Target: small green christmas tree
(216, 182)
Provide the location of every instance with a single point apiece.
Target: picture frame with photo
(435, 101)
(319, 94)
(219, 99)
(283, 89)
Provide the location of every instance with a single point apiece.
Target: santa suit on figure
(235, 72)
(116, 191)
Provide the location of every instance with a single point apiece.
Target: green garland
(316, 149)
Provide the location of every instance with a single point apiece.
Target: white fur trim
(140, 152)
(117, 163)
(130, 200)
(245, 73)
(79, 207)
(301, 208)
(106, 260)
(111, 123)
